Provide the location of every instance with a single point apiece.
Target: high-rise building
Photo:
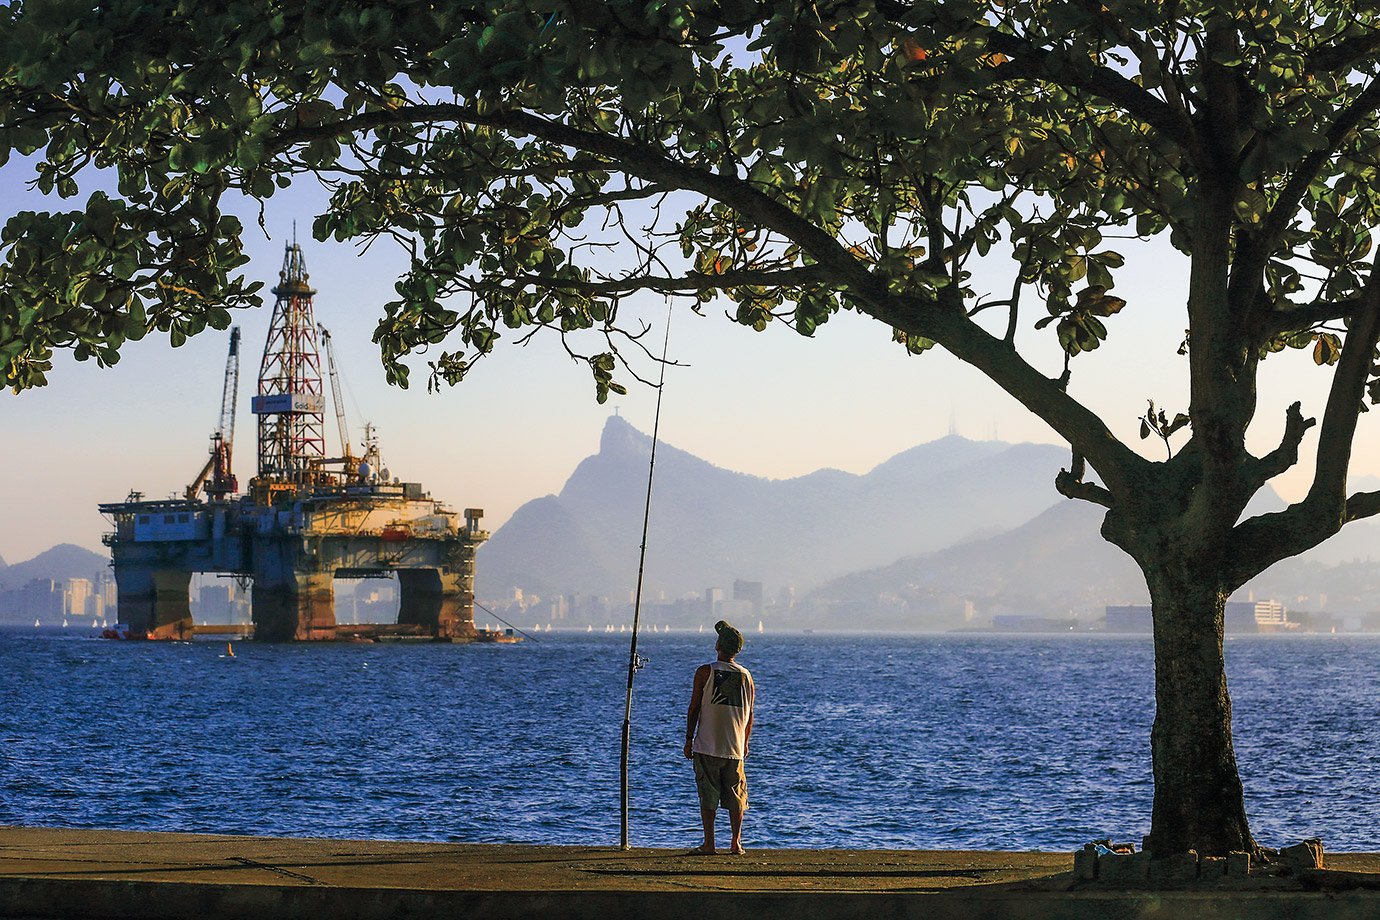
(105, 586)
(750, 591)
(215, 603)
(75, 591)
(41, 599)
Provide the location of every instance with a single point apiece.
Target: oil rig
(304, 520)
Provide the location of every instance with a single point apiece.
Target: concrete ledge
(107, 875)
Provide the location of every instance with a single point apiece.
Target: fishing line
(503, 621)
(635, 662)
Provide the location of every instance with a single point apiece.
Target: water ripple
(861, 741)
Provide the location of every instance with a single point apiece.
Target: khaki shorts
(721, 781)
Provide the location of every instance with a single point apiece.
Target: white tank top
(725, 709)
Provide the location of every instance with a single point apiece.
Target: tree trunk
(1198, 798)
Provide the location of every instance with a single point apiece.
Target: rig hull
(292, 551)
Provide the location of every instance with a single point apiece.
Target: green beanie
(730, 639)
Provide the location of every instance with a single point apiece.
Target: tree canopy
(793, 159)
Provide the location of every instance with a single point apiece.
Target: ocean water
(860, 741)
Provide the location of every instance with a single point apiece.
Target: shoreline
(124, 875)
(679, 632)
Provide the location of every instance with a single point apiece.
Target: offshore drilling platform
(305, 518)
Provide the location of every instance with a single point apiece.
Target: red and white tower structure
(290, 403)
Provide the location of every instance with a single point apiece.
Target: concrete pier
(113, 875)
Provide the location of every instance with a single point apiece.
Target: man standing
(717, 729)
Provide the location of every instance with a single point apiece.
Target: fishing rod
(503, 621)
(635, 662)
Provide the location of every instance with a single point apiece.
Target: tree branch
(1265, 539)
(1070, 484)
(1145, 53)
(1116, 464)
(1030, 62)
(1362, 505)
(1344, 399)
(691, 282)
(1345, 53)
(1286, 454)
(1278, 322)
(1286, 205)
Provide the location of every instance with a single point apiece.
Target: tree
(795, 159)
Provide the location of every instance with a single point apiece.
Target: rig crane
(216, 476)
(347, 458)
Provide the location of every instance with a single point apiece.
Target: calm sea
(861, 741)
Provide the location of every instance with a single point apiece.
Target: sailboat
(64, 622)
(229, 650)
(37, 624)
(759, 626)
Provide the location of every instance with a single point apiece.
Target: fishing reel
(640, 662)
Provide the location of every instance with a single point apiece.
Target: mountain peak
(620, 438)
(66, 560)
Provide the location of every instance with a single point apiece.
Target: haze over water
(861, 741)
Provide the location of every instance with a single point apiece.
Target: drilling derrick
(292, 443)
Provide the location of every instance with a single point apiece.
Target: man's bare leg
(707, 818)
(735, 821)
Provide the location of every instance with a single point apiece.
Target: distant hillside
(59, 563)
(711, 525)
(1058, 564)
(1051, 565)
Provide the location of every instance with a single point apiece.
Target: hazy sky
(773, 404)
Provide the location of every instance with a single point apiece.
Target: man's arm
(692, 717)
(752, 711)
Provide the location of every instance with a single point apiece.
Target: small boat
(229, 650)
(95, 625)
(504, 637)
(759, 626)
(37, 624)
(589, 627)
(64, 622)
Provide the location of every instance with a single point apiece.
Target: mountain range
(1057, 564)
(945, 528)
(710, 526)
